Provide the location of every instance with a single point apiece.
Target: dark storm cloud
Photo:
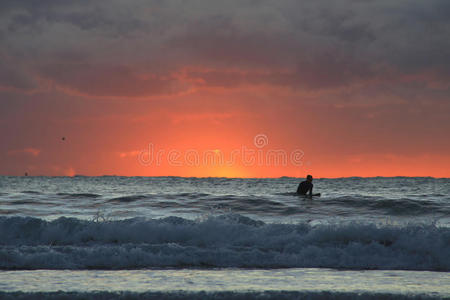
(322, 71)
(101, 81)
(82, 14)
(302, 44)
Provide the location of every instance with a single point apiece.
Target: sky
(225, 88)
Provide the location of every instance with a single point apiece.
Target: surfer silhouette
(305, 187)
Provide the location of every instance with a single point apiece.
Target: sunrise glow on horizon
(357, 90)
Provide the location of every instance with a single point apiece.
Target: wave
(180, 295)
(79, 195)
(126, 199)
(218, 241)
(31, 192)
(23, 202)
(402, 206)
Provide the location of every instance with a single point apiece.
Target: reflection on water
(404, 282)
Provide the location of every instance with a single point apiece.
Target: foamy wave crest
(181, 295)
(220, 241)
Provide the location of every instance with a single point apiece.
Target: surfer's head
(309, 177)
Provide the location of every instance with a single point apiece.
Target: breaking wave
(230, 240)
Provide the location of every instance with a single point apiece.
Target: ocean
(113, 237)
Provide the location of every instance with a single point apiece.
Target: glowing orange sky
(108, 138)
(321, 82)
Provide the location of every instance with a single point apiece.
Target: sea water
(116, 237)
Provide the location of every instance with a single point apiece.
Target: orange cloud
(133, 153)
(28, 151)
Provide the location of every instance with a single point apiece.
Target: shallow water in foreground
(406, 283)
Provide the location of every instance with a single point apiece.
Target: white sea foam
(220, 241)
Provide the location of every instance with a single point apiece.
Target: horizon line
(201, 177)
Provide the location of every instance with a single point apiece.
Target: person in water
(306, 187)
